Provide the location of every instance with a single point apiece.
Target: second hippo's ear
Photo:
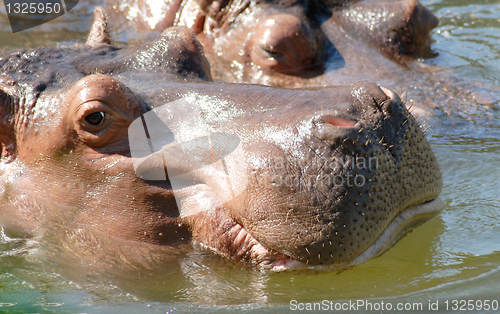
(99, 32)
(7, 137)
(176, 52)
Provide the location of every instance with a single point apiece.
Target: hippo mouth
(244, 247)
(408, 219)
(236, 243)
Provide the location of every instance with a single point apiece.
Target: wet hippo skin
(327, 176)
(287, 43)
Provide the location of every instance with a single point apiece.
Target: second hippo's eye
(95, 118)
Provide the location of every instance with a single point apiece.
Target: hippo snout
(284, 43)
(342, 180)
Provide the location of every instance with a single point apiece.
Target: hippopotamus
(293, 43)
(321, 176)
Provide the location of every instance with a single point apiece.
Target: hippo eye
(95, 118)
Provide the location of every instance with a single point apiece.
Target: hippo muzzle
(337, 184)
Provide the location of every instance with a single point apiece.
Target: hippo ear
(176, 51)
(7, 137)
(99, 31)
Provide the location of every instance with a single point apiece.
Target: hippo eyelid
(104, 100)
(97, 87)
(107, 106)
(82, 108)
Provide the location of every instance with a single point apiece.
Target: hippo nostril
(392, 105)
(268, 55)
(379, 98)
(283, 43)
(332, 128)
(337, 121)
(272, 55)
(388, 92)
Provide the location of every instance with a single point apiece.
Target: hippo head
(278, 36)
(324, 176)
(286, 43)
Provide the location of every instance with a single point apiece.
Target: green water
(456, 256)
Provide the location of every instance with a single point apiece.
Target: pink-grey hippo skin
(295, 43)
(326, 176)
